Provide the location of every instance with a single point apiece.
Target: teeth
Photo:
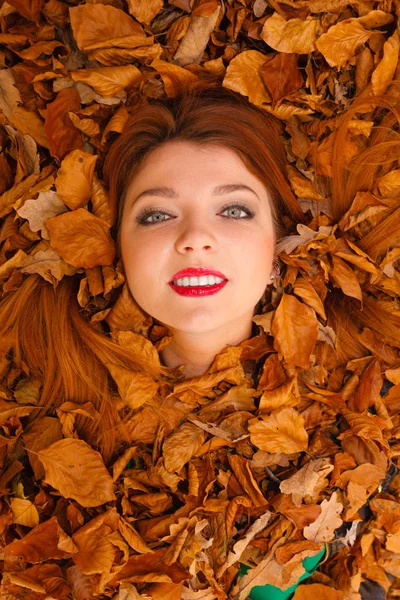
(203, 280)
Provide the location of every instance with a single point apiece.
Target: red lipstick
(198, 290)
(196, 272)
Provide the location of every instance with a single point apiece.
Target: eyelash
(141, 218)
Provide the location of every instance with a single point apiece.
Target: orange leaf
(341, 41)
(281, 431)
(345, 278)
(281, 75)
(74, 178)
(243, 76)
(317, 590)
(77, 471)
(145, 12)
(61, 133)
(81, 239)
(295, 331)
(24, 512)
(108, 81)
(104, 26)
(293, 35)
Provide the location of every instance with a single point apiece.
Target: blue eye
(141, 219)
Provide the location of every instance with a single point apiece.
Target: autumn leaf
(317, 590)
(323, 529)
(24, 512)
(339, 44)
(281, 431)
(243, 75)
(81, 239)
(74, 179)
(181, 445)
(345, 278)
(108, 81)
(308, 481)
(281, 75)
(290, 36)
(104, 26)
(77, 471)
(196, 38)
(295, 330)
(62, 135)
(145, 12)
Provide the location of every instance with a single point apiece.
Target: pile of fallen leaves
(225, 468)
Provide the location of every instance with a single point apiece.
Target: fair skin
(193, 229)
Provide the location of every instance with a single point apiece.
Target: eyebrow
(220, 190)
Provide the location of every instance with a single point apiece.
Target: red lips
(197, 272)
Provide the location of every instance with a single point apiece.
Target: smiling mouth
(198, 290)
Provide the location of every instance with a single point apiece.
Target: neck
(197, 351)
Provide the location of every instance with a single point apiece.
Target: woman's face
(189, 227)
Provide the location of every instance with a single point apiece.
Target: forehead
(183, 160)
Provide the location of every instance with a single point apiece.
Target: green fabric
(270, 592)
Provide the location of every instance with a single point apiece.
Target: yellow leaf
(388, 185)
(294, 35)
(341, 41)
(24, 512)
(385, 70)
(108, 81)
(242, 75)
(281, 431)
(77, 471)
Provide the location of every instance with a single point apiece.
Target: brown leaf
(62, 135)
(196, 38)
(281, 431)
(145, 12)
(74, 179)
(77, 471)
(104, 26)
(339, 44)
(40, 434)
(134, 388)
(109, 81)
(317, 590)
(308, 482)
(243, 76)
(24, 512)
(81, 239)
(180, 446)
(295, 331)
(281, 75)
(45, 541)
(173, 76)
(345, 278)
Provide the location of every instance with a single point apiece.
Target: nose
(195, 238)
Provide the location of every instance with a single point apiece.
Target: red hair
(43, 331)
